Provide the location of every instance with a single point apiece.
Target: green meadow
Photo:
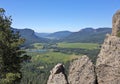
(78, 45)
(54, 57)
(38, 45)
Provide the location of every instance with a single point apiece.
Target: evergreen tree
(10, 53)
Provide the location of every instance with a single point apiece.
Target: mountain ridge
(29, 36)
(55, 35)
(88, 35)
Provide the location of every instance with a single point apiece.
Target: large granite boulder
(82, 71)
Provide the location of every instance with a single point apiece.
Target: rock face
(108, 62)
(116, 23)
(82, 71)
(58, 75)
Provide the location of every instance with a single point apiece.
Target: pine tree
(10, 52)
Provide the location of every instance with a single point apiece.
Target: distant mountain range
(55, 36)
(87, 35)
(43, 35)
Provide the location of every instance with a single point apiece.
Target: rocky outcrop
(108, 62)
(82, 71)
(116, 23)
(58, 75)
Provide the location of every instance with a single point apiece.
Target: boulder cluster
(83, 71)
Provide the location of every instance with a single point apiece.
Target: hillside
(88, 35)
(30, 36)
(43, 35)
(55, 36)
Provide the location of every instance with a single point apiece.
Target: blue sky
(58, 15)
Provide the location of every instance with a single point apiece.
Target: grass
(78, 45)
(53, 57)
(38, 45)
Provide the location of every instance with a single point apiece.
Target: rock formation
(82, 71)
(108, 62)
(116, 23)
(58, 75)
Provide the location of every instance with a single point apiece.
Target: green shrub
(10, 78)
